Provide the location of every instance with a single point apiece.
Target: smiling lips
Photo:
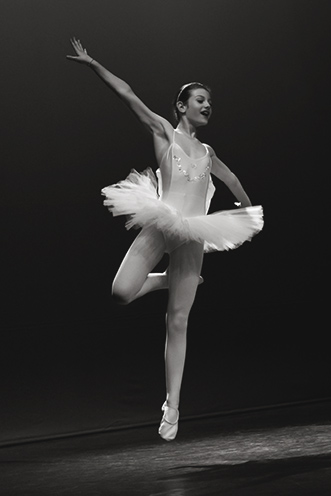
(205, 112)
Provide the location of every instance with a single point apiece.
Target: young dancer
(171, 211)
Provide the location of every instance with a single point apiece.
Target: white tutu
(137, 197)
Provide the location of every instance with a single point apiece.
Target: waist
(187, 204)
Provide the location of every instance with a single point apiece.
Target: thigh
(145, 252)
(184, 271)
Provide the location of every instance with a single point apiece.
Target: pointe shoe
(168, 430)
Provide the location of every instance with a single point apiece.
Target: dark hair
(184, 94)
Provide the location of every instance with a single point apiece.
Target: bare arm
(154, 123)
(222, 172)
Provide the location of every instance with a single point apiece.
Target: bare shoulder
(210, 150)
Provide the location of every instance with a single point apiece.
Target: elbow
(125, 92)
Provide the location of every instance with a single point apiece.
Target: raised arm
(222, 172)
(154, 123)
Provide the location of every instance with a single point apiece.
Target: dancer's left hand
(81, 56)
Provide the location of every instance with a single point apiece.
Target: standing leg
(184, 272)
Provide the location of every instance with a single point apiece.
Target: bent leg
(184, 276)
(132, 279)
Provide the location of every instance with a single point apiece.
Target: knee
(121, 294)
(177, 321)
(120, 299)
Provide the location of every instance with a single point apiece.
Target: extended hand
(81, 56)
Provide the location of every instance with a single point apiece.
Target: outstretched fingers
(76, 45)
(79, 50)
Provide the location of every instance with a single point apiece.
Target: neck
(187, 128)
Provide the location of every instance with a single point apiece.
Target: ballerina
(171, 210)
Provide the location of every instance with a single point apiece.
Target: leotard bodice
(185, 181)
(177, 204)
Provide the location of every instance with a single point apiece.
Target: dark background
(258, 335)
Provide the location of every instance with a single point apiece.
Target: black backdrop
(71, 360)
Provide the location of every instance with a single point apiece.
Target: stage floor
(279, 452)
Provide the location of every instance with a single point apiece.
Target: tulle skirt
(137, 198)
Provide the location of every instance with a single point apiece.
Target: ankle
(174, 404)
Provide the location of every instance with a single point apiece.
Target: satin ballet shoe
(168, 430)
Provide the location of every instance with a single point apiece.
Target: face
(198, 108)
